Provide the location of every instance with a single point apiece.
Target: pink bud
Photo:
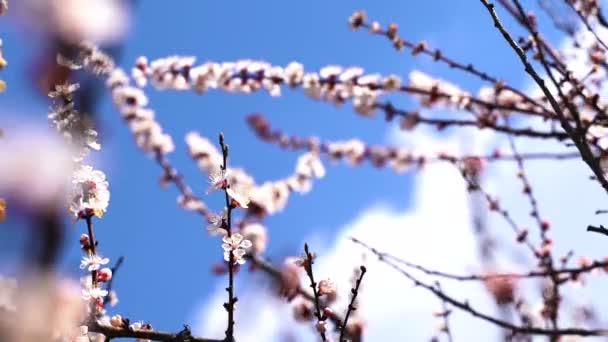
(104, 274)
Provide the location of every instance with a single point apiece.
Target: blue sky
(166, 274)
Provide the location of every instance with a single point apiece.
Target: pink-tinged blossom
(117, 78)
(104, 274)
(99, 21)
(455, 96)
(294, 72)
(217, 224)
(270, 196)
(48, 308)
(351, 74)
(218, 179)
(236, 245)
(8, 291)
(310, 165)
(35, 167)
(330, 71)
(257, 234)
(93, 262)
(239, 194)
(126, 96)
(90, 194)
(203, 152)
(327, 287)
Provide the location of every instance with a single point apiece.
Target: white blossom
(310, 165)
(203, 151)
(94, 293)
(216, 224)
(93, 262)
(240, 194)
(90, 193)
(236, 245)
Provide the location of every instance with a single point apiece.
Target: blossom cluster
(130, 101)
(456, 97)
(269, 197)
(333, 83)
(90, 194)
(70, 123)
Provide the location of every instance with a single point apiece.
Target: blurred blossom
(2, 209)
(99, 21)
(8, 288)
(48, 309)
(256, 233)
(35, 167)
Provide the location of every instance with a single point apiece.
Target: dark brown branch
(601, 229)
(351, 305)
(437, 55)
(466, 307)
(579, 141)
(586, 23)
(313, 285)
(570, 271)
(113, 332)
(269, 269)
(229, 306)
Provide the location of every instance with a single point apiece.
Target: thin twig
(351, 305)
(308, 268)
(466, 307)
(231, 262)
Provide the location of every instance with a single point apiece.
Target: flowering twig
(466, 307)
(143, 334)
(229, 306)
(586, 23)
(445, 316)
(272, 271)
(351, 305)
(358, 19)
(572, 272)
(307, 263)
(110, 283)
(579, 141)
(399, 158)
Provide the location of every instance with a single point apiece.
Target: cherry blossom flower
(217, 223)
(270, 196)
(327, 287)
(94, 293)
(321, 326)
(330, 71)
(93, 262)
(203, 152)
(239, 194)
(294, 72)
(310, 165)
(90, 193)
(303, 261)
(218, 179)
(104, 274)
(236, 245)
